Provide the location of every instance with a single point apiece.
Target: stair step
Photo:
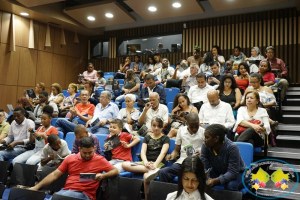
(282, 152)
(294, 89)
(293, 93)
(289, 127)
(290, 119)
(288, 137)
(284, 167)
(291, 108)
(271, 191)
(292, 101)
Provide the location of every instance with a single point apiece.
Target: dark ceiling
(70, 3)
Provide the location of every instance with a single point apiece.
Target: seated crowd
(219, 102)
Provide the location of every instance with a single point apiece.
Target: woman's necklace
(227, 93)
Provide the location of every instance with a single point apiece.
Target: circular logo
(270, 178)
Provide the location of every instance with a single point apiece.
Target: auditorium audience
(254, 60)
(38, 88)
(80, 114)
(24, 103)
(205, 67)
(18, 135)
(137, 65)
(123, 68)
(93, 96)
(89, 75)
(190, 135)
(242, 78)
(191, 181)
(228, 68)
(68, 101)
(158, 61)
(148, 67)
(214, 78)
(85, 161)
(254, 132)
(131, 86)
(104, 112)
(265, 72)
(216, 111)
(179, 73)
(278, 66)
(165, 72)
(4, 126)
(217, 147)
(181, 107)
(100, 83)
(121, 153)
(195, 58)
(129, 115)
(154, 108)
(237, 57)
(216, 51)
(81, 132)
(151, 87)
(39, 138)
(56, 95)
(154, 150)
(189, 78)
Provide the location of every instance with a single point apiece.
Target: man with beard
(195, 58)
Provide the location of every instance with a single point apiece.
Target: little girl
(154, 150)
(100, 83)
(32, 157)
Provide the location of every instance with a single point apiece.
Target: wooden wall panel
(5, 27)
(72, 70)
(36, 29)
(58, 48)
(9, 65)
(59, 70)
(44, 68)
(8, 94)
(42, 38)
(1, 13)
(21, 31)
(27, 67)
(74, 49)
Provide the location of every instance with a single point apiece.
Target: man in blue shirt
(223, 157)
(215, 78)
(104, 112)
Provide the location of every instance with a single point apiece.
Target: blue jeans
(167, 174)
(64, 126)
(98, 130)
(10, 154)
(71, 193)
(234, 185)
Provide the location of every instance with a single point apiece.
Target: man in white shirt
(18, 135)
(189, 140)
(154, 108)
(198, 93)
(180, 71)
(216, 112)
(165, 72)
(190, 79)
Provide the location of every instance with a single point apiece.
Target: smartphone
(180, 107)
(32, 131)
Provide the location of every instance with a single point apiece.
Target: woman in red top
(265, 72)
(242, 78)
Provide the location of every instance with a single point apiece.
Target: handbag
(240, 129)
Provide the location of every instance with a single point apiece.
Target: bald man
(80, 132)
(188, 135)
(154, 108)
(216, 111)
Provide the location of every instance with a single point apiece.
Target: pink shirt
(277, 63)
(90, 76)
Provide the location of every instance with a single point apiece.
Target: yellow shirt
(4, 128)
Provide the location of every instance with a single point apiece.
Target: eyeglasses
(227, 82)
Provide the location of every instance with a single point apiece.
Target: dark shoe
(272, 139)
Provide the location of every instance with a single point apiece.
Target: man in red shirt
(86, 161)
(279, 65)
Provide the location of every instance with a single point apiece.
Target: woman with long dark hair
(242, 78)
(207, 59)
(191, 181)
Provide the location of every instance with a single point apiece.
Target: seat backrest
(220, 194)
(121, 81)
(109, 73)
(70, 139)
(23, 174)
(108, 76)
(4, 166)
(60, 135)
(101, 138)
(171, 93)
(246, 151)
(65, 93)
(56, 185)
(170, 150)
(53, 121)
(170, 106)
(24, 194)
(130, 188)
(136, 149)
(160, 190)
(61, 197)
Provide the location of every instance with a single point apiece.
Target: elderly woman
(129, 115)
(131, 85)
(56, 95)
(254, 132)
(254, 60)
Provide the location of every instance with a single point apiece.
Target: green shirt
(4, 128)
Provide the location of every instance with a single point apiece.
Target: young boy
(53, 152)
(122, 152)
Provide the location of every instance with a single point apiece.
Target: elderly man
(165, 72)
(278, 66)
(198, 93)
(216, 111)
(86, 161)
(181, 70)
(81, 113)
(151, 87)
(190, 79)
(104, 112)
(18, 135)
(153, 108)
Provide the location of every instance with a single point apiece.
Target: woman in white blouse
(191, 181)
(254, 133)
(129, 115)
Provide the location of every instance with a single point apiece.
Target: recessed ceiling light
(176, 5)
(24, 14)
(109, 15)
(91, 18)
(152, 9)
